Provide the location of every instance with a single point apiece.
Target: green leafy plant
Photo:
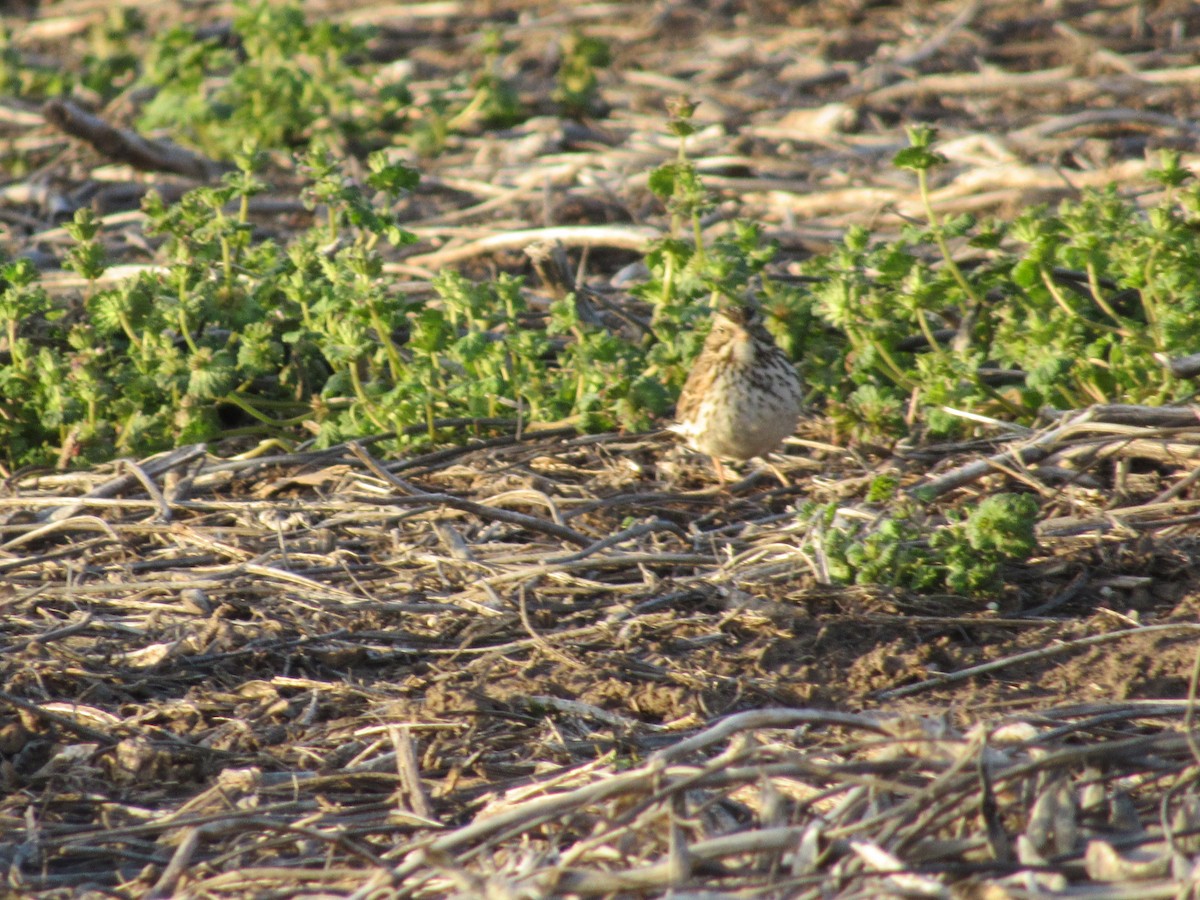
(31, 378)
(475, 99)
(88, 257)
(189, 353)
(107, 67)
(578, 79)
(289, 81)
(494, 100)
(1070, 307)
(965, 555)
(111, 63)
(240, 337)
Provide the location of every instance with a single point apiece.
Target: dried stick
(644, 779)
(1032, 451)
(64, 722)
(487, 513)
(149, 468)
(628, 534)
(1131, 414)
(181, 859)
(127, 146)
(1044, 653)
(625, 237)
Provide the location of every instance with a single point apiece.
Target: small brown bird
(742, 397)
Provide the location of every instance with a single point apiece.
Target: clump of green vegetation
(493, 100)
(474, 99)
(35, 408)
(1072, 303)
(107, 67)
(258, 339)
(579, 73)
(168, 357)
(965, 555)
(238, 337)
(285, 82)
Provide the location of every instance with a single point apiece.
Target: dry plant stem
(922, 799)
(1181, 366)
(153, 467)
(1032, 450)
(125, 146)
(1057, 650)
(1091, 117)
(164, 510)
(1189, 717)
(181, 859)
(486, 513)
(542, 643)
(58, 634)
(940, 38)
(1130, 414)
(660, 875)
(624, 237)
(589, 711)
(531, 813)
(1069, 593)
(410, 772)
(65, 722)
(436, 459)
(75, 523)
(629, 534)
(762, 718)
(976, 84)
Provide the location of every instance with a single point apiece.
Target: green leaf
(662, 180)
(917, 159)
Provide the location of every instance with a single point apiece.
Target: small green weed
(904, 550)
(578, 73)
(484, 98)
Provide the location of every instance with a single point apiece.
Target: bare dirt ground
(331, 674)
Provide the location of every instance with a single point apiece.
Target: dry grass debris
(532, 667)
